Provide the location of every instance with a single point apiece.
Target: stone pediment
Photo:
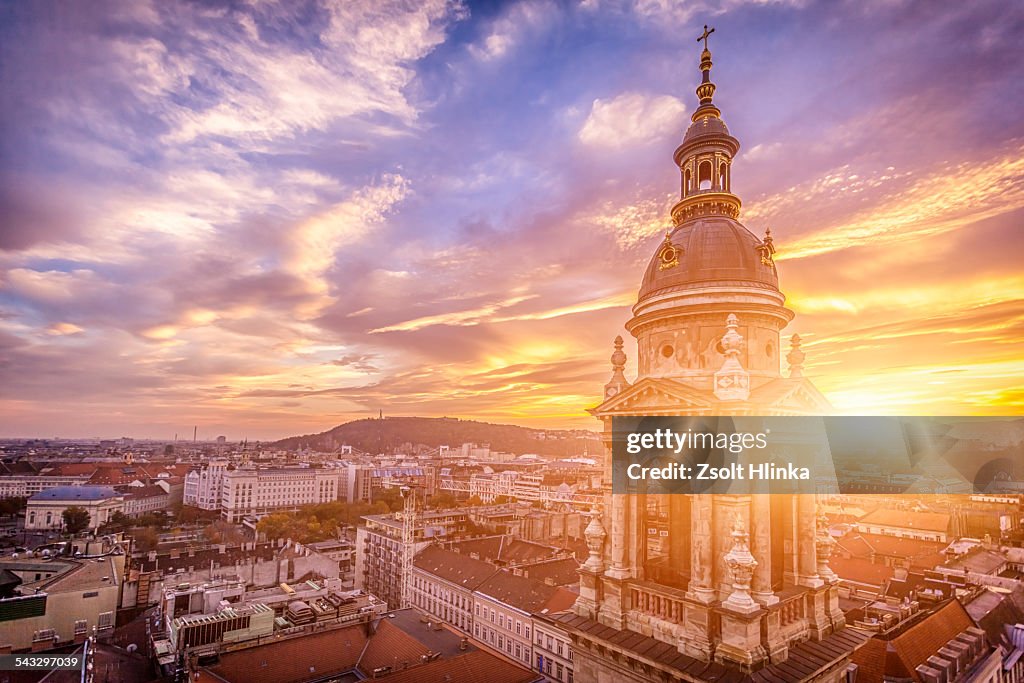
(665, 396)
(790, 396)
(653, 396)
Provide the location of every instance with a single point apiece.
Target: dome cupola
(708, 266)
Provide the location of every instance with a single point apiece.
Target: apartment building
(552, 651)
(443, 583)
(203, 486)
(258, 492)
(499, 608)
(27, 485)
(380, 548)
(503, 612)
(58, 602)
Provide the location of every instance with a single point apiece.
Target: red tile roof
(887, 656)
(908, 519)
(473, 667)
(295, 659)
(391, 646)
(860, 570)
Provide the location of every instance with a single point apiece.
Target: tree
(276, 525)
(146, 538)
(118, 522)
(443, 501)
(222, 531)
(12, 506)
(76, 519)
(189, 515)
(474, 501)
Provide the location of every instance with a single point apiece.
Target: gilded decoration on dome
(767, 249)
(668, 255)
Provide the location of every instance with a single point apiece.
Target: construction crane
(410, 510)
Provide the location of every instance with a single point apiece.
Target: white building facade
(203, 486)
(258, 492)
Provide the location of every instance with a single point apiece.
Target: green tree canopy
(76, 519)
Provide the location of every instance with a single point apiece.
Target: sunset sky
(267, 218)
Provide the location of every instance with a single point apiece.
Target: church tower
(709, 582)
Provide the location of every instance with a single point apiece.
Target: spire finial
(706, 89)
(705, 35)
(618, 355)
(618, 381)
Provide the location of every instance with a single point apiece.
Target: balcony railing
(657, 601)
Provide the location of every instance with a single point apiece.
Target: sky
(267, 218)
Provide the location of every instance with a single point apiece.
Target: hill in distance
(396, 434)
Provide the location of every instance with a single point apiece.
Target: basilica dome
(708, 251)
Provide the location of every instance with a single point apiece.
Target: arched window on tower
(704, 173)
(723, 177)
(687, 182)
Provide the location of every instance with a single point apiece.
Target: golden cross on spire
(705, 36)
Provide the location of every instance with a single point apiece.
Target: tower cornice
(707, 203)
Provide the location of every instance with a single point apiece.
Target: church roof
(706, 126)
(714, 250)
(804, 661)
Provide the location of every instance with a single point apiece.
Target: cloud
(631, 119)
(939, 202)
(511, 26)
(268, 218)
(316, 239)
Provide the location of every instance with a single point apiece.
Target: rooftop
(898, 653)
(75, 493)
(908, 519)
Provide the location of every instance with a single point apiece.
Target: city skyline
(267, 221)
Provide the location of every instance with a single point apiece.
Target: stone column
(618, 538)
(761, 546)
(806, 538)
(702, 550)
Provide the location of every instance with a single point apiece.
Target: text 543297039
(39, 662)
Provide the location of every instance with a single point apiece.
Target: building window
(558, 671)
(519, 628)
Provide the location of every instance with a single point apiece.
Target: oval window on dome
(667, 351)
(769, 349)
